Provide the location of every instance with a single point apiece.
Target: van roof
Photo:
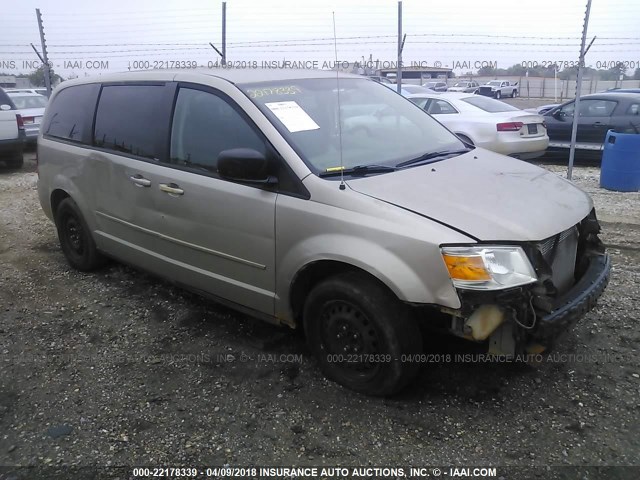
(233, 75)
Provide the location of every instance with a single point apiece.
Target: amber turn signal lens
(466, 268)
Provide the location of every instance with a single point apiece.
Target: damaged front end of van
(522, 298)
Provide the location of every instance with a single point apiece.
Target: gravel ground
(119, 368)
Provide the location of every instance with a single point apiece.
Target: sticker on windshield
(292, 116)
(267, 91)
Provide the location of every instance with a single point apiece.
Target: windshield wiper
(358, 170)
(432, 156)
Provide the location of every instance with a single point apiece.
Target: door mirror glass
(244, 165)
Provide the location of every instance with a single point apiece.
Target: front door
(215, 235)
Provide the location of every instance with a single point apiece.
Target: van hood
(484, 195)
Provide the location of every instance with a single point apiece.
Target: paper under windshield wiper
(357, 170)
(432, 156)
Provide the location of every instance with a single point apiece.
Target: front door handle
(140, 181)
(171, 189)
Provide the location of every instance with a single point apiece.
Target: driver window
(204, 125)
(438, 107)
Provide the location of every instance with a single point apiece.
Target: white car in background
(488, 123)
(39, 91)
(31, 107)
(409, 89)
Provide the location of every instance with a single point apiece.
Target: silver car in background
(328, 204)
(470, 86)
(39, 91)
(31, 107)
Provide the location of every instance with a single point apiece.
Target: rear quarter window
(70, 115)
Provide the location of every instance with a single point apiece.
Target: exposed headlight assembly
(486, 267)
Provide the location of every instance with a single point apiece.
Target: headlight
(488, 267)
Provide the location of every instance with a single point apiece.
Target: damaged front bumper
(573, 271)
(574, 304)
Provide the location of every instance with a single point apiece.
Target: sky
(90, 37)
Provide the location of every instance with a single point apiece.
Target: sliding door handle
(140, 181)
(171, 189)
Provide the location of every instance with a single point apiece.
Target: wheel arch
(56, 197)
(315, 272)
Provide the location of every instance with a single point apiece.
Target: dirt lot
(119, 368)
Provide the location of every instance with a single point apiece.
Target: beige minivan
(324, 202)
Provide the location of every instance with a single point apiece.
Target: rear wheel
(361, 334)
(75, 238)
(15, 160)
(514, 94)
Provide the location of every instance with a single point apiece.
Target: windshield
(495, 83)
(30, 101)
(489, 104)
(461, 84)
(415, 89)
(379, 127)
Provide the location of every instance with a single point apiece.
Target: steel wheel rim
(74, 234)
(348, 334)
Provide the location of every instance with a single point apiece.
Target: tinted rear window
(128, 119)
(70, 115)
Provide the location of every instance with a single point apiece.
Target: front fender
(397, 274)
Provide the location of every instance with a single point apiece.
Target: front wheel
(498, 95)
(361, 334)
(75, 238)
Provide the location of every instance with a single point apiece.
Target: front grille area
(560, 253)
(485, 91)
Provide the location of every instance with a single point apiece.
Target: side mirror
(557, 113)
(245, 165)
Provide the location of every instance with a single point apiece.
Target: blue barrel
(620, 168)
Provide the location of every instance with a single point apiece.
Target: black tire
(17, 161)
(514, 94)
(13, 160)
(465, 139)
(351, 315)
(498, 95)
(75, 238)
